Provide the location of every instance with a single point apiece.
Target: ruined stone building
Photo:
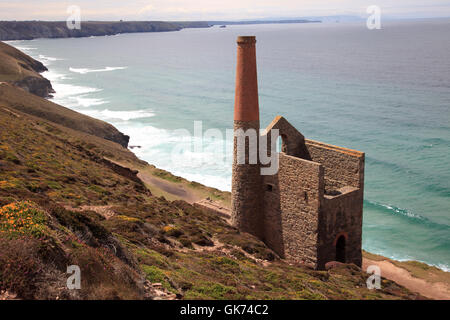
(311, 210)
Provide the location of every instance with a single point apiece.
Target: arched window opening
(282, 144)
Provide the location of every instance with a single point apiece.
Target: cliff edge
(23, 71)
(28, 30)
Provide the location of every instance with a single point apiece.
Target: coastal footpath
(71, 193)
(28, 30)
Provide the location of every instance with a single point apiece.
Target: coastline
(170, 185)
(29, 30)
(164, 188)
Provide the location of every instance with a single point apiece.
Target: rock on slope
(23, 71)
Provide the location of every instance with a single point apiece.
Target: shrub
(20, 266)
(22, 218)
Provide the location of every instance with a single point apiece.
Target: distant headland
(29, 30)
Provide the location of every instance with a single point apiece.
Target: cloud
(212, 9)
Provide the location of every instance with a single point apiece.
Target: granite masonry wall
(292, 222)
(316, 197)
(246, 209)
(343, 167)
(341, 215)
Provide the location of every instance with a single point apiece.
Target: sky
(216, 9)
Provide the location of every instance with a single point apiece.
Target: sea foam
(117, 115)
(87, 70)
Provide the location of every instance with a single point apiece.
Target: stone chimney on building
(247, 213)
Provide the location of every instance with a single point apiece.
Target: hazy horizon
(188, 10)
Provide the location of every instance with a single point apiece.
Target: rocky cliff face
(27, 30)
(23, 71)
(36, 85)
(18, 70)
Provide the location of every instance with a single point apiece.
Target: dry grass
(192, 253)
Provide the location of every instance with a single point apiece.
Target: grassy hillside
(19, 100)
(64, 202)
(23, 71)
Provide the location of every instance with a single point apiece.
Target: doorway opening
(340, 249)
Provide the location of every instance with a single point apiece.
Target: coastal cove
(170, 83)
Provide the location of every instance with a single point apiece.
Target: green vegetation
(56, 178)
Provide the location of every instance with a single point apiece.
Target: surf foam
(87, 70)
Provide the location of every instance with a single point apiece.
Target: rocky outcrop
(28, 30)
(39, 86)
(23, 71)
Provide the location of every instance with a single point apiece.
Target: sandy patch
(437, 290)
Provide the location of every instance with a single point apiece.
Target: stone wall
(293, 142)
(343, 167)
(341, 215)
(291, 209)
(246, 209)
(300, 212)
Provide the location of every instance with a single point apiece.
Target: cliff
(18, 100)
(28, 30)
(23, 71)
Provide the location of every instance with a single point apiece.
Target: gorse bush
(22, 218)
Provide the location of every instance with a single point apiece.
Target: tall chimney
(246, 208)
(246, 99)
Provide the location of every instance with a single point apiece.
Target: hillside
(71, 194)
(28, 30)
(64, 202)
(20, 100)
(23, 71)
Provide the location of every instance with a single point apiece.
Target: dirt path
(169, 187)
(436, 290)
(105, 211)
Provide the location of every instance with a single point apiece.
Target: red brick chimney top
(246, 39)
(246, 106)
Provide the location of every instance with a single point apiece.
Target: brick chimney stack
(246, 209)
(246, 99)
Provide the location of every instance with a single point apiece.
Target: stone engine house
(311, 210)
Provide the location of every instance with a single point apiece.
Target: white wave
(42, 57)
(221, 183)
(54, 76)
(441, 266)
(160, 147)
(88, 102)
(87, 70)
(65, 90)
(25, 49)
(118, 115)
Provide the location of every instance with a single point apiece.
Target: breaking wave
(118, 115)
(87, 70)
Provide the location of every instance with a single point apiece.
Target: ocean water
(385, 92)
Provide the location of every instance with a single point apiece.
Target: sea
(385, 92)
